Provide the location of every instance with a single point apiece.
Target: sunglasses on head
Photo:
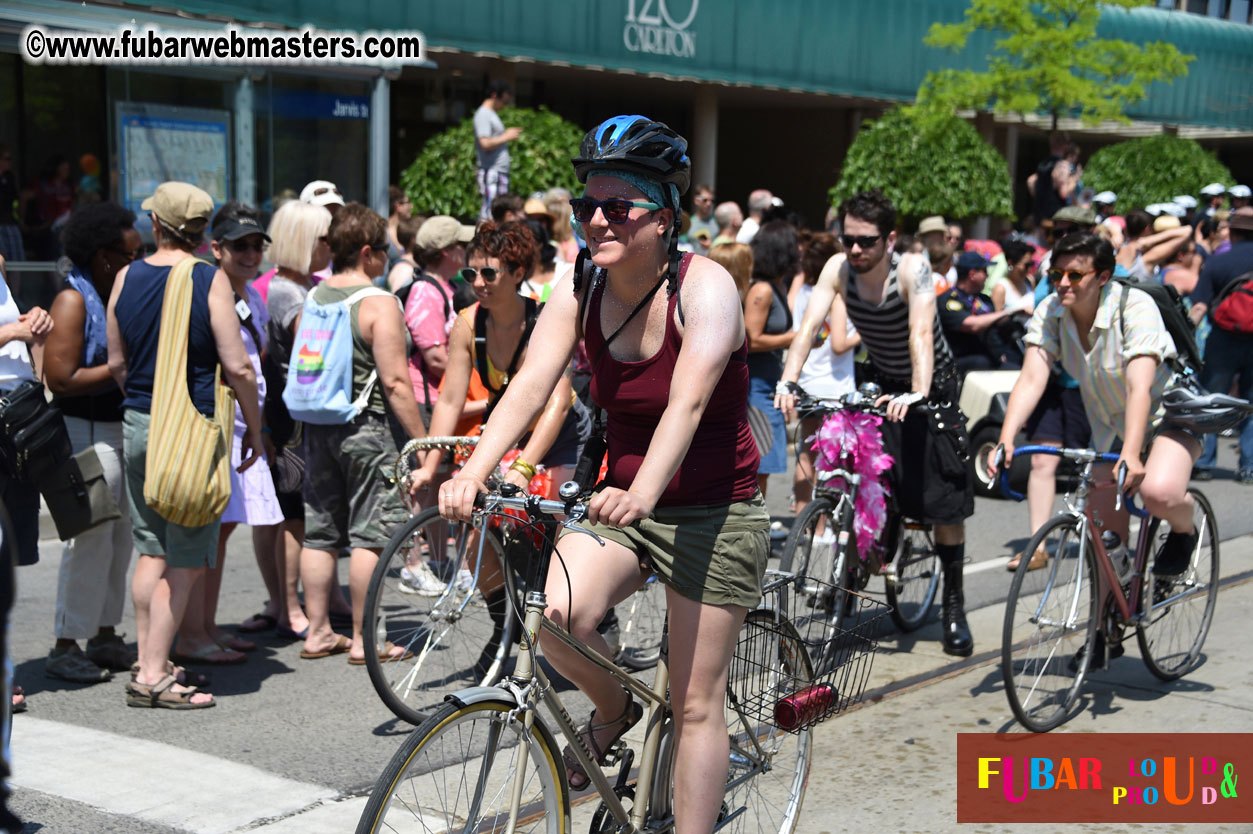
(241, 245)
(489, 273)
(614, 210)
(379, 245)
(863, 241)
(1074, 276)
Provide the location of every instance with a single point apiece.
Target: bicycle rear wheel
(1050, 627)
(811, 551)
(769, 767)
(1178, 611)
(455, 636)
(915, 576)
(641, 620)
(456, 772)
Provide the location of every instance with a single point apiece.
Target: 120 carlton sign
(650, 27)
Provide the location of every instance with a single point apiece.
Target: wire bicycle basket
(793, 668)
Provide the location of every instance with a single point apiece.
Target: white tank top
(826, 374)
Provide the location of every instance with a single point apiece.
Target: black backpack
(1174, 316)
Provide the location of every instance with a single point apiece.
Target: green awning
(841, 47)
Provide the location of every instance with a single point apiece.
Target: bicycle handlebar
(509, 497)
(1077, 455)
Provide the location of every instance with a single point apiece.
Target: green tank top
(362, 354)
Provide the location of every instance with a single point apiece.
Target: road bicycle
(489, 760)
(451, 607)
(822, 544)
(1070, 616)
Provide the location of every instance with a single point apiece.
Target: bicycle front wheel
(420, 601)
(811, 551)
(769, 767)
(914, 578)
(1177, 612)
(1050, 626)
(458, 771)
(641, 620)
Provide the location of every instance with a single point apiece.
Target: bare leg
(598, 579)
(213, 584)
(1041, 486)
(1165, 486)
(803, 478)
(702, 638)
(318, 574)
(166, 604)
(291, 613)
(196, 629)
(263, 547)
(360, 568)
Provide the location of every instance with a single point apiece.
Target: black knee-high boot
(956, 632)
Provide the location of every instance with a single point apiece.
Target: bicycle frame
(529, 684)
(1109, 586)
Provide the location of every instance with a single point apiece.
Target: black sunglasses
(241, 245)
(379, 245)
(863, 241)
(489, 273)
(615, 211)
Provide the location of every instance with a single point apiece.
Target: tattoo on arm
(923, 281)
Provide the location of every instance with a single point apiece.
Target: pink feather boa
(851, 440)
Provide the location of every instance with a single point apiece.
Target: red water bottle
(804, 707)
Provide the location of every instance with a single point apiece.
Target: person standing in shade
(491, 145)
(704, 228)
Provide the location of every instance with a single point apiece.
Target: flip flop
(235, 643)
(210, 655)
(260, 621)
(342, 644)
(18, 702)
(385, 656)
(291, 634)
(161, 695)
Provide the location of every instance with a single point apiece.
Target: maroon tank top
(721, 463)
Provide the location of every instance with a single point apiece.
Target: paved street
(294, 745)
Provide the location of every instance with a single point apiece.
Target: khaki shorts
(182, 547)
(713, 554)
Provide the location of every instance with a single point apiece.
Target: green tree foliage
(1153, 169)
(441, 180)
(934, 166)
(1048, 59)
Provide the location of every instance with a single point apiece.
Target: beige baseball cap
(442, 231)
(935, 223)
(181, 206)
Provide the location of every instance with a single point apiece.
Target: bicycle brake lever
(1122, 479)
(571, 525)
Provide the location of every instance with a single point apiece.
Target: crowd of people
(683, 341)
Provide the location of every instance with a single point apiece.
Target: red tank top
(721, 463)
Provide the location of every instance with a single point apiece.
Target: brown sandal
(161, 695)
(1039, 559)
(631, 715)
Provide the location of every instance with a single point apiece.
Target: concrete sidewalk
(890, 765)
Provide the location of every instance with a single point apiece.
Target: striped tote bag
(188, 479)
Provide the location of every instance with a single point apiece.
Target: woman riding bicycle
(669, 368)
(1120, 355)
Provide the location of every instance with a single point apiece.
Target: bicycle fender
(477, 695)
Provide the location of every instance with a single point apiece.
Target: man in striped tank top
(891, 301)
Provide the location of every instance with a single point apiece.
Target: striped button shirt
(1102, 371)
(884, 329)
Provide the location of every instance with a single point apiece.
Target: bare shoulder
(914, 275)
(707, 285)
(834, 273)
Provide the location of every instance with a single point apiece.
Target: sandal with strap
(630, 716)
(161, 695)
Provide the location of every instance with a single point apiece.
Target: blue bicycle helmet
(638, 145)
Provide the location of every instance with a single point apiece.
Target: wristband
(908, 399)
(782, 387)
(519, 465)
